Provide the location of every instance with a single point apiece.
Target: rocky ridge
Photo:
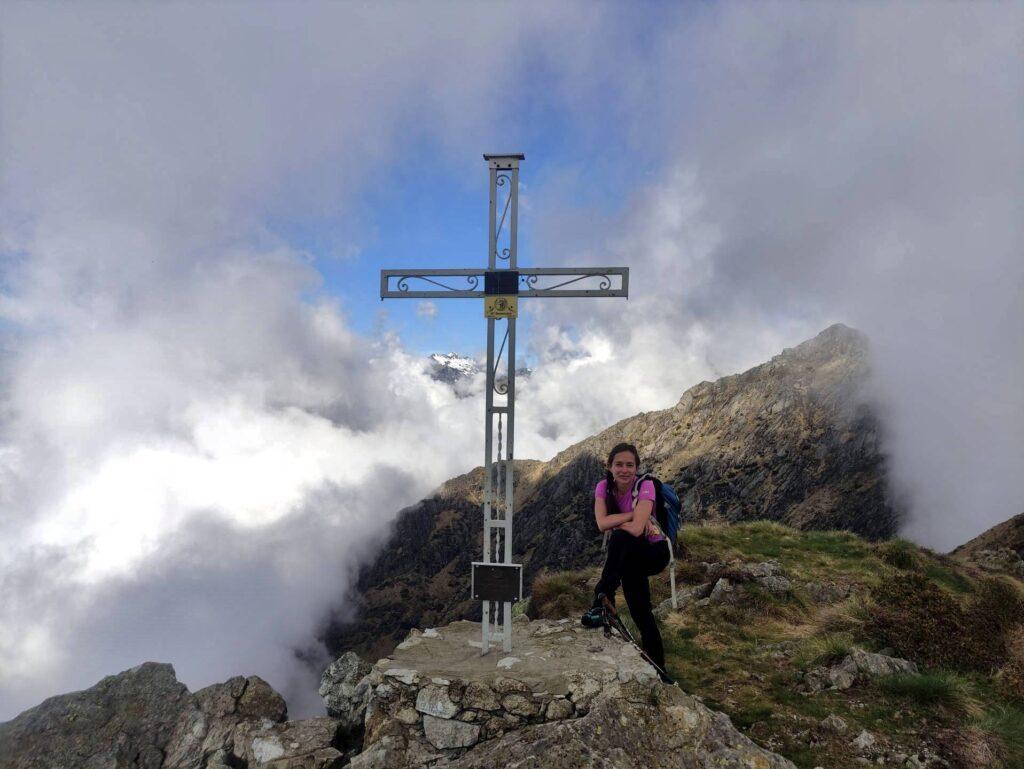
(144, 718)
(792, 440)
(1000, 548)
(567, 698)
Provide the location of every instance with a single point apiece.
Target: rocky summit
(565, 697)
(794, 440)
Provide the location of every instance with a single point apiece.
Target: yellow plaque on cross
(501, 306)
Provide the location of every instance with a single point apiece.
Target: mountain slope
(1009, 534)
(791, 440)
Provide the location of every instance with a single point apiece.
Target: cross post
(496, 580)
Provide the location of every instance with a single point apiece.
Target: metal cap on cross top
(496, 580)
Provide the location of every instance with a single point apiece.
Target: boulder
(434, 701)
(446, 733)
(863, 741)
(827, 592)
(833, 724)
(857, 665)
(307, 744)
(209, 724)
(341, 692)
(125, 719)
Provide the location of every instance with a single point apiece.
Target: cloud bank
(196, 449)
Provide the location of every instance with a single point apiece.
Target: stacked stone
(408, 716)
(453, 714)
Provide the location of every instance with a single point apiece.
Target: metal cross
(496, 580)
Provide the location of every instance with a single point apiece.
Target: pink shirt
(625, 502)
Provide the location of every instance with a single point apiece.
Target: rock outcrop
(124, 720)
(858, 665)
(144, 718)
(792, 440)
(565, 697)
(999, 549)
(729, 583)
(1008, 535)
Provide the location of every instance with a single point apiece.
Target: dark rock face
(144, 718)
(793, 440)
(123, 721)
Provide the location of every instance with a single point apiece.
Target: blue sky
(424, 213)
(207, 412)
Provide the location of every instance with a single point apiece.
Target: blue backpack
(666, 506)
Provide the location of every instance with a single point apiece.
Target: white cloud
(426, 310)
(861, 163)
(196, 448)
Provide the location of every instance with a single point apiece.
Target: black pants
(631, 560)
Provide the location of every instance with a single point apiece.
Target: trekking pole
(612, 619)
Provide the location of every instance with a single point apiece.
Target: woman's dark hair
(609, 482)
(618, 449)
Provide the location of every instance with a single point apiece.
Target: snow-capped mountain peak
(454, 363)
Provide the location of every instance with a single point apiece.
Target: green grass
(746, 716)
(900, 553)
(941, 688)
(724, 653)
(1007, 722)
(821, 650)
(947, 577)
(684, 649)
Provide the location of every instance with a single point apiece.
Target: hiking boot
(594, 617)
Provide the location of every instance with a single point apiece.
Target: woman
(637, 548)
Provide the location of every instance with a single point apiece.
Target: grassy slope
(747, 660)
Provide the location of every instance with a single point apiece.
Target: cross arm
(533, 282)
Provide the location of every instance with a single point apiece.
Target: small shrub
(763, 603)
(900, 553)
(995, 614)
(923, 622)
(937, 688)
(849, 616)
(555, 596)
(1009, 681)
(690, 572)
(920, 621)
(1009, 678)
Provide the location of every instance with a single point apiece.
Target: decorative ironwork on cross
(496, 580)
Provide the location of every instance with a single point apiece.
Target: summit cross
(496, 580)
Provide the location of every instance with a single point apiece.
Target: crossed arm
(634, 522)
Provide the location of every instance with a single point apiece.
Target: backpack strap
(671, 551)
(636, 486)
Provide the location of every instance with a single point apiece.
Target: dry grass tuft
(564, 594)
